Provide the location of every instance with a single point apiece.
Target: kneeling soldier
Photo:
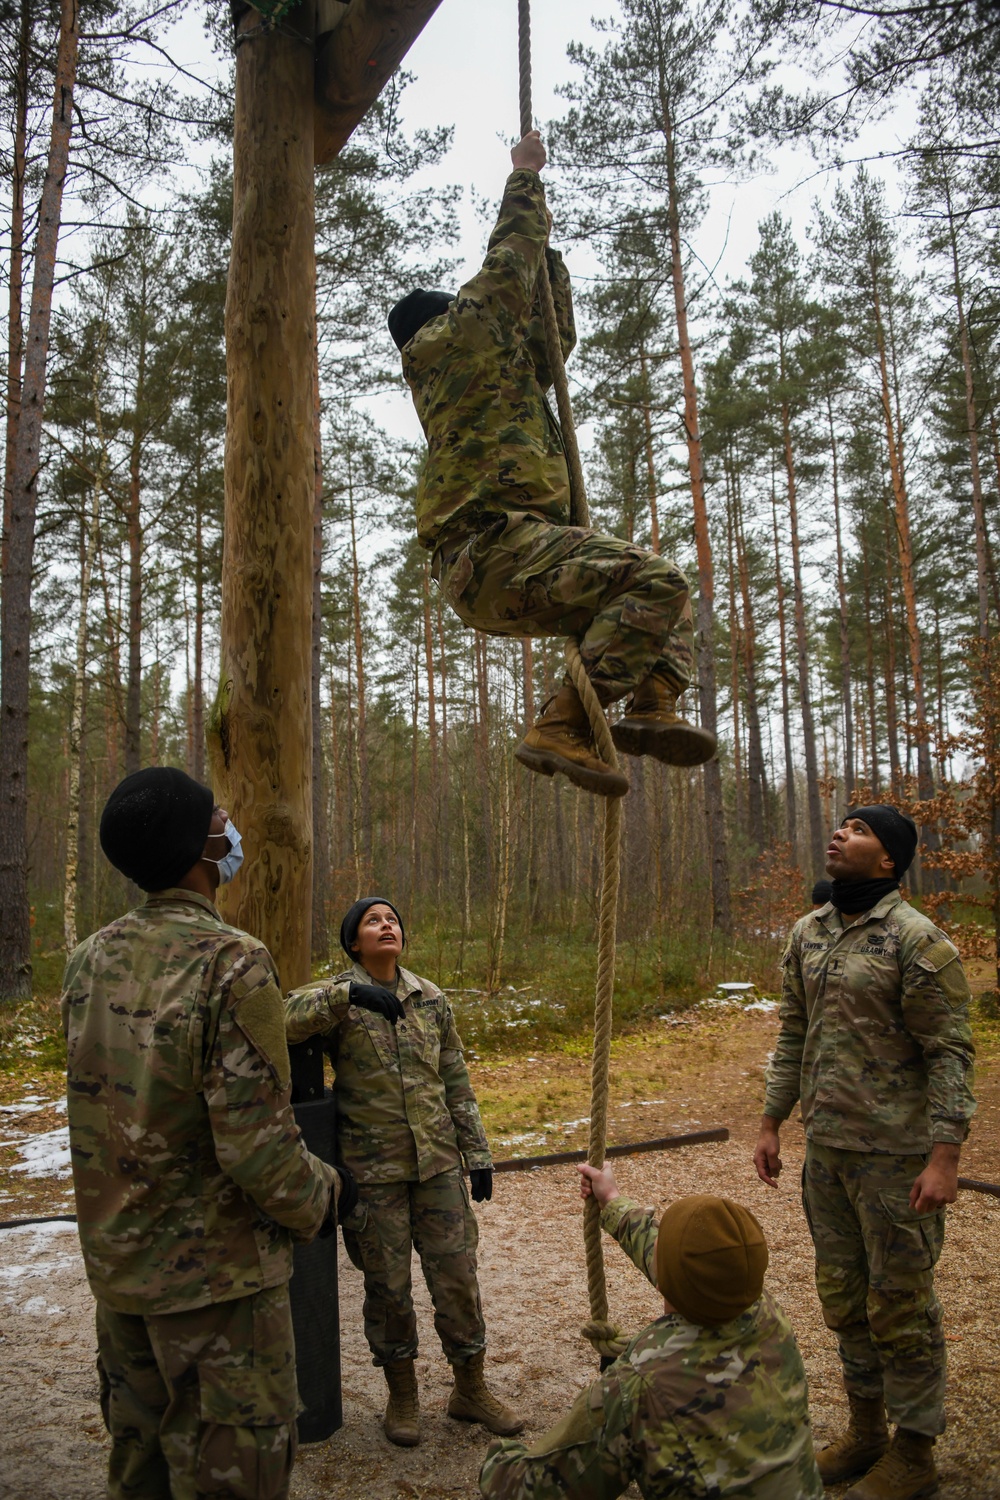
(406, 1119)
(708, 1400)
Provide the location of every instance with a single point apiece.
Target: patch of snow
(38, 1305)
(45, 1155)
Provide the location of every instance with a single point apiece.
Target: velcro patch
(942, 959)
(259, 1012)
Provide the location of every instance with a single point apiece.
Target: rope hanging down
(604, 1336)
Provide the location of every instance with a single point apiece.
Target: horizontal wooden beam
(355, 61)
(631, 1148)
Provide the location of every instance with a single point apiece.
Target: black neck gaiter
(853, 896)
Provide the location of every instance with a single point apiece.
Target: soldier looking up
(875, 1042)
(190, 1175)
(494, 504)
(407, 1119)
(710, 1399)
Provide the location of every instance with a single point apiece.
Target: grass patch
(32, 1048)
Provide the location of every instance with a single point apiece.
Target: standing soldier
(190, 1175)
(875, 1041)
(710, 1399)
(494, 504)
(407, 1118)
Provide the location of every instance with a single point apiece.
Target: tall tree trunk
(845, 637)
(756, 773)
(739, 787)
(18, 554)
(133, 528)
(647, 424)
(870, 672)
(198, 679)
(705, 620)
(972, 426)
(432, 735)
(816, 838)
(320, 825)
(15, 283)
(76, 727)
(261, 728)
(901, 504)
(891, 685)
(791, 812)
(364, 833)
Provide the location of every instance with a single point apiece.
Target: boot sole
(674, 744)
(411, 1440)
(547, 763)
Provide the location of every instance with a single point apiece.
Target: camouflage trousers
(875, 1260)
(200, 1403)
(628, 607)
(435, 1218)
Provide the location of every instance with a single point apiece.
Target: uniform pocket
(909, 1241)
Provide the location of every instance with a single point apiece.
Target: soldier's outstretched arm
(245, 1077)
(492, 309)
(633, 1227)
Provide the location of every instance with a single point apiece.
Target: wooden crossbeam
(355, 60)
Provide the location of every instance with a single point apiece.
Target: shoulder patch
(259, 1012)
(942, 959)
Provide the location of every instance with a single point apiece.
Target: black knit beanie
(821, 892)
(413, 311)
(895, 831)
(349, 926)
(154, 825)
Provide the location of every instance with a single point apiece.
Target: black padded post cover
(313, 1289)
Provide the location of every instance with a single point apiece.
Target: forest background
(814, 435)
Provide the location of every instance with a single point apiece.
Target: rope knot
(607, 1339)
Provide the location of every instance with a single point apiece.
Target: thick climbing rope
(603, 1335)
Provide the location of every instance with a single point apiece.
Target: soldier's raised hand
(374, 998)
(529, 152)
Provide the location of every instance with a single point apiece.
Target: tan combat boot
(401, 1422)
(652, 726)
(906, 1471)
(561, 741)
(473, 1401)
(863, 1444)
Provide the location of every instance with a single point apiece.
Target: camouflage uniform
(493, 501)
(685, 1412)
(407, 1118)
(875, 1040)
(191, 1184)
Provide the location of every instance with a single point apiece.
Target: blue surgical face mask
(229, 863)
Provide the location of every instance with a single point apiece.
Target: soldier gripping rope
(407, 1119)
(190, 1175)
(494, 503)
(709, 1399)
(875, 1043)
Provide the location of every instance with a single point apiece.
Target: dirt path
(533, 1282)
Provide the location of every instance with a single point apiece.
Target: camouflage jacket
(405, 1107)
(874, 1033)
(191, 1178)
(684, 1412)
(478, 374)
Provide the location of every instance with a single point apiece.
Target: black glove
(346, 1203)
(482, 1184)
(373, 997)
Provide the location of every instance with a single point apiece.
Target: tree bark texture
(705, 616)
(18, 553)
(260, 737)
(15, 285)
(321, 831)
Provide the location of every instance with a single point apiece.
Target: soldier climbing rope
(603, 1334)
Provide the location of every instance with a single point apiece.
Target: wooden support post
(260, 730)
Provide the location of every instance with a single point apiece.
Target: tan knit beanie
(711, 1256)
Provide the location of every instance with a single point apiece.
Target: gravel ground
(533, 1283)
